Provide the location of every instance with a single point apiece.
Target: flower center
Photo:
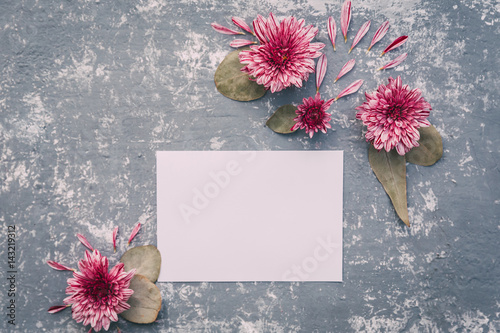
(396, 112)
(313, 116)
(279, 56)
(100, 290)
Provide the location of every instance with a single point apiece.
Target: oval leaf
(430, 149)
(390, 169)
(145, 302)
(233, 83)
(282, 120)
(145, 259)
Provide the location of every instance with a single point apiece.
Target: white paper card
(250, 215)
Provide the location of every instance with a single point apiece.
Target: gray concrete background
(90, 90)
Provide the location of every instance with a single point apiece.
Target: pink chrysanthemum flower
(98, 296)
(285, 54)
(312, 115)
(393, 115)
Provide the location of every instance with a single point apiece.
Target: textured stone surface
(89, 90)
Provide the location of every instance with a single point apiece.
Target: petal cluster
(393, 115)
(285, 54)
(96, 295)
(312, 115)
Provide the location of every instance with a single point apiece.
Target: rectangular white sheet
(250, 215)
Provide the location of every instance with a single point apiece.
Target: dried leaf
(352, 88)
(320, 70)
(282, 120)
(379, 34)
(345, 18)
(145, 259)
(361, 33)
(346, 69)
(223, 30)
(394, 62)
(233, 83)
(397, 43)
(332, 30)
(390, 169)
(145, 302)
(430, 149)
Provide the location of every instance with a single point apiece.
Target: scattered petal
(379, 34)
(224, 30)
(397, 42)
(84, 241)
(57, 308)
(352, 88)
(58, 266)
(241, 42)
(395, 62)
(114, 238)
(345, 18)
(332, 30)
(346, 69)
(242, 24)
(134, 232)
(361, 33)
(320, 70)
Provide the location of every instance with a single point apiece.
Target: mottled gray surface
(91, 89)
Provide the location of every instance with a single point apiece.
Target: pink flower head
(312, 115)
(393, 115)
(285, 54)
(96, 295)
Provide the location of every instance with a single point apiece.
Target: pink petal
(242, 24)
(361, 33)
(379, 34)
(346, 69)
(57, 308)
(352, 88)
(395, 62)
(320, 70)
(332, 30)
(134, 232)
(397, 42)
(58, 266)
(224, 30)
(115, 231)
(241, 42)
(84, 241)
(345, 18)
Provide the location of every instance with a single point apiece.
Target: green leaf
(430, 149)
(145, 302)
(282, 120)
(233, 83)
(146, 259)
(390, 169)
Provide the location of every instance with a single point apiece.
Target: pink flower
(393, 115)
(285, 54)
(96, 295)
(312, 115)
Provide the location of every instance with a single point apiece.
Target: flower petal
(352, 88)
(395, 62)
(345, 18)
(320, 70)
(115, 232)
(397, 42)
(84, 241)
(346, 69)
(57, 308)
(134, 232)
(224, 30)
(361, 33)
(242, 24)
(241, 42)
(332, 30)
(58, 266)
(379, 34)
